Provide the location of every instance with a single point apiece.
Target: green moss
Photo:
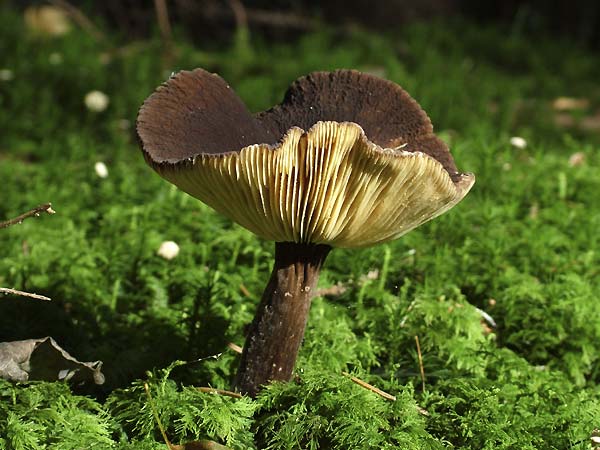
(48, 415)
(522, 247)
(187, 413)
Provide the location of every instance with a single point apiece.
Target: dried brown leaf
(44, 359)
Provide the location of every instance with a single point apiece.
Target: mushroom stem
(275, 335)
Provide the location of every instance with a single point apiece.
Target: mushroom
(346, 160)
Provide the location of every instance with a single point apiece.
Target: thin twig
(420, 362)
(35, 212)
(245, 290)
(80, 19)
(23, 294)
(236, 348)
(210, 390)
(162, 15)
(239, 13)
(422, 411)
(370, 387)
(155, 413)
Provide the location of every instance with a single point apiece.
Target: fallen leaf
(518, 142)
(44, 359)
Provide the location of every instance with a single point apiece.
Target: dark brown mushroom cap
(197, 113)
(347, 159)
(389, 116)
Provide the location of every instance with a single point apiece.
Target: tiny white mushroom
(168, 250)
(101, 169)
(96, 101)
(518, 142)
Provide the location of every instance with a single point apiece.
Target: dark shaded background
(214, 20)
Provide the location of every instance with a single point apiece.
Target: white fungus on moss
(96, 101)
(518, 142)
(168, 250)
(101, 169)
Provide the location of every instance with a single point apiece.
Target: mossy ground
(523, 247)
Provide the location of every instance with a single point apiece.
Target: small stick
(24, 294)
(236, 348)
(422, 411)
(155, 413)
(35, 212)
(370, 387)
(162, 15)
(245, 290)
(239, 13)
(420, 362)
(210, 390)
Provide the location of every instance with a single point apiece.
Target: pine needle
(236, 348)
(155, 413)
(210, 390)
(421, 368)
(370, 387)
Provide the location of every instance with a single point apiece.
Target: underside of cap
(328, 185)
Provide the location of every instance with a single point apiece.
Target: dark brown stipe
(275, 335)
